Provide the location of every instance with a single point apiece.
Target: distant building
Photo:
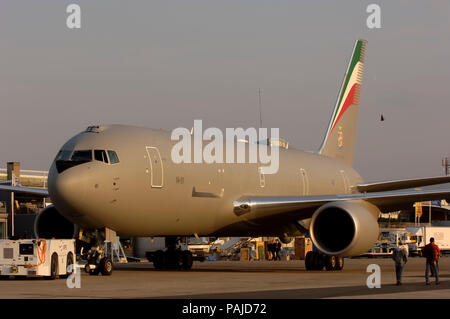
(419, 213)
(24, 207)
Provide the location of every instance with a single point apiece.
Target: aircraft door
(345, 182)
(156, 167)
(304, 182)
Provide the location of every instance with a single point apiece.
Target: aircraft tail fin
(340, 138)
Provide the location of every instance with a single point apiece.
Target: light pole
(429, 214)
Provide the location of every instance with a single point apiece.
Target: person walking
(400, 256)
(431, 253)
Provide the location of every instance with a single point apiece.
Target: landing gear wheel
(159, 260)
(94, 272)
(106, 266)
(314, 261)
(330, 263)
(174, 259)
(69, 262)
(53, 268)
(187, 259)
(318, 262)
(339, 263)
(309, 260)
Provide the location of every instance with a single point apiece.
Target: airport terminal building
(18, 211)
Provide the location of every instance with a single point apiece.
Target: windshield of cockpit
(70, 158)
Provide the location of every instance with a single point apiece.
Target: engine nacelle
(347, 228)
(286, 239)
(51, 224)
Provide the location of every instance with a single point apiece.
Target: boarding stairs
(114, 250)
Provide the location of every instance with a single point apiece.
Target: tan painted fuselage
(147, 194)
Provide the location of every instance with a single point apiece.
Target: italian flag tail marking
(351, 86)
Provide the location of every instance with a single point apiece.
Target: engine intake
(347, 228)
(51, 224)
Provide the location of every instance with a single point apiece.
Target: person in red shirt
(431, 252)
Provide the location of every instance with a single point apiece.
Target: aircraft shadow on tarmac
(222, 270)
(328, 292)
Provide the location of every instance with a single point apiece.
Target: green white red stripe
(350, 90)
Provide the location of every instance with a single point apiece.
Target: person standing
(278, 249)
(400, 256)
(270, 248)
(431, 253)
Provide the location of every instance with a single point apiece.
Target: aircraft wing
(25, 190)
(401, 184)
(388, 201)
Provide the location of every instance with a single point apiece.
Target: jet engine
(285, 238)
(347, 228)
(51, 224)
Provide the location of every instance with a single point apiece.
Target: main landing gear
(174, 258)
(317, 261)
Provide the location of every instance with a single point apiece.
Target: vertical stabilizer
(340, 139)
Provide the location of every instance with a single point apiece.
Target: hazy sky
(163, 64)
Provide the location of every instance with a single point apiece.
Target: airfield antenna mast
(445, 165)
(260, 109)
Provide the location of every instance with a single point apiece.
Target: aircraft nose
(68, 189)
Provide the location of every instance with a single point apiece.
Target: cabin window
(262, 179)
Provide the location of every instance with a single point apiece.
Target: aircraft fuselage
(147, 194)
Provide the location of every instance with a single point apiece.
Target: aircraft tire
(53, 267)
(330, 263)
(174, 259)
(309, 258)
(187, 260)
(159, 260)
(69, 262)
(339, 263)
(319, 261)
(106, 266)
(94, 272)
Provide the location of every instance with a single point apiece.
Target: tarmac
(236, 280)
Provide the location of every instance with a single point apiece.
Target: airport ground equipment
(98, 262)
(114, 250)
(420, 236)
(105, 247)
(388, 240)
(100, 259)
(48, 258)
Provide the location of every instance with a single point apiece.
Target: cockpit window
(85, 156)
(113, 158)
(100, 155)
(63, 155)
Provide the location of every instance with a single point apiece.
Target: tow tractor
(48, 258)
